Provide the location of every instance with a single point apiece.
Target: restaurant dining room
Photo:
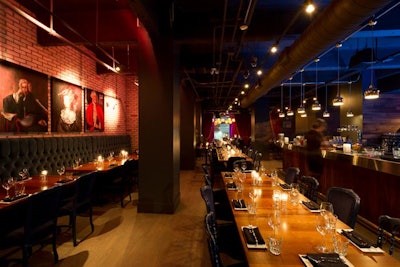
(199, 133)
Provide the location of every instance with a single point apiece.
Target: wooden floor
(123, 237)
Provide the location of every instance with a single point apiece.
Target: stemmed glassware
(243, 166)
(61, 170)
(7, 184)
(325, 223)
(77, 162)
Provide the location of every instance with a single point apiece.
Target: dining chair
(222, 211)
(346, 204)
(231, 161)
(80, 203)
(217, 257)
(41, 221)
(12, 224)
(309, 187)
(390, 225)
(291, 174)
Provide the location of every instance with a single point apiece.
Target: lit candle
(284, 199)
(44, 172)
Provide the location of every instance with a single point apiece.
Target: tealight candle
(284, 199)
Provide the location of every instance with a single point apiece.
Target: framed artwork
(66, 103)
(94, 111)
(24, 95)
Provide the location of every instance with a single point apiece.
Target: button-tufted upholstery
(38, 153)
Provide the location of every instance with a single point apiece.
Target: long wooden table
(298, 227)
(105, 166)
(34, 185)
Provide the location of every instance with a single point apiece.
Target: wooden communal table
(223, 156)
(34, 185)
(101, 167)
(298, 228)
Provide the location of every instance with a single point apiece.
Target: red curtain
(208, 127)
(243, 122)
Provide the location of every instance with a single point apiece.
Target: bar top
(384, 164)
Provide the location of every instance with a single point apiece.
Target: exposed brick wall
(18, 44)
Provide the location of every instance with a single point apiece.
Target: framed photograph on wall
(66, 102)
(94, 111)
(24, 95)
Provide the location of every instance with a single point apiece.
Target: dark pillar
(159, 126)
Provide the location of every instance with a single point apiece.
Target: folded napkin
(228, 175)
(357, 239)
(252, 235)
(63, 181)
(325, 260)
(285, 186)
(11, 199)
(231, 186)
(311, 205)
(239, 204)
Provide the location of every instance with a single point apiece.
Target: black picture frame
(66, 103)
(24, 95)
(92, 124)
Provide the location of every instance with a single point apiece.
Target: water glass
(276, 197)
(275, 244)
(19, 188)
(294, 194)
(396, 152)
(340, 245)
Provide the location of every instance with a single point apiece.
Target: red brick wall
(18, 45)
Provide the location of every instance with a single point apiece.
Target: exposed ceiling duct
(338, 21)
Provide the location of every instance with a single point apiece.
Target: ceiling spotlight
(242, 92)
(117, 69)
(371, 93)
(259, 72)
(310, 7)
(246, 85)
(274, 49)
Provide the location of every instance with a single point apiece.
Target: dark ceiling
(209, 37)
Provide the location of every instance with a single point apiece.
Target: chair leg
(91, 218)
(54, 243)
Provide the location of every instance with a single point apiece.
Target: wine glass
(7, 184)
(243, 166)
(322, 227)
(325, 208)
(61, 170)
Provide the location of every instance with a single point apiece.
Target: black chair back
(291, 174)
(208, 197)
(230, 162)
(392, 226)
(309, 187)
(346, 204)
(212, 241)
(41, 222)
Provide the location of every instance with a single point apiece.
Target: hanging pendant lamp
(372, 92)
(301, 109)
(290, 112)
(338, 100)
(316, 105)
(281, 113)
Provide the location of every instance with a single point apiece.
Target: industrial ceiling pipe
(338, 21)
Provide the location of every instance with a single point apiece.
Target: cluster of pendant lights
(371, 93)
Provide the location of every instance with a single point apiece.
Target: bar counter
(374, 179)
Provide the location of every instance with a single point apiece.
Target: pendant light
(338, 100)
(301, 109)
(349, 113)
(372, 92)
(290, 112)
(326, 114)
(316, 105)
(281, 113)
